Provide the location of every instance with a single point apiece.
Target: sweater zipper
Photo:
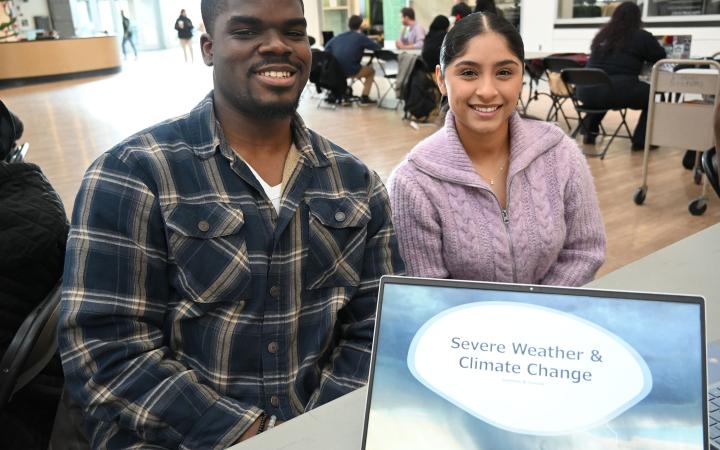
(506, 221)
(503, 212)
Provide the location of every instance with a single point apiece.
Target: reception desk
(43, 60)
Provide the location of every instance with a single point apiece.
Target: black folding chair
(32, 347)
(559, 92)
(535, 70)
(385, 58)
(589, 78)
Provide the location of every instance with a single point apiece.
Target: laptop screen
(676, 46)
(461, 365)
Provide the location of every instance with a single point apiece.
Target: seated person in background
(433, 42)
(487, 6)
(492, 196)
(348, 49)
(222, 269)
(620, 48)
(459, 10)
(413, 34)
(33, 231)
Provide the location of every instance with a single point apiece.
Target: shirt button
(340, 216)
(275, 401)
(273, 347)
(275, 291)
(203, 225)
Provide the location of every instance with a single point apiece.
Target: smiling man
(222, 269)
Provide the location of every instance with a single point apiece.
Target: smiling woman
(492, 196)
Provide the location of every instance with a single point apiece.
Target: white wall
(536, 24)
(705, 40)
(312, 15)
(27, 10)
(427, 10)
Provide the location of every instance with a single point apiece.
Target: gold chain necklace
(492, 180)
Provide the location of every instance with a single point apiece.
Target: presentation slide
(468, 369)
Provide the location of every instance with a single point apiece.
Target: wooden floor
(69, 123)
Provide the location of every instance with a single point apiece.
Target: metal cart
(687, 125)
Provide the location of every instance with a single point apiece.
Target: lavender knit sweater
(450, 225)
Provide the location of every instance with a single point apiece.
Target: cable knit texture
(450, 225)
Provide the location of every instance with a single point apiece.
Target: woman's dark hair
(475, 24)
(440, 23)
(460, 10)
(625, 21)
(486, 6)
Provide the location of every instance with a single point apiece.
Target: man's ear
(206, 46)
(440, 80)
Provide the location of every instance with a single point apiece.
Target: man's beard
(253, 107)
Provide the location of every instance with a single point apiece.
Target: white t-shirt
(274, 193)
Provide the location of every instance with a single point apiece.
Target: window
(576, 9)
(683, 7)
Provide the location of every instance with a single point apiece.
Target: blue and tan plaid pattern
(190, 305)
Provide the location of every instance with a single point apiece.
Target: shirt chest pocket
(207, 251)
(337, 233)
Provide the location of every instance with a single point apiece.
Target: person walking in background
(433, 42)
(492, 196)
(127, 35)
(184, 27)
(621, 48)
(348, 48)
(413, 34)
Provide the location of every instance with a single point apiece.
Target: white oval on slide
(528, 369)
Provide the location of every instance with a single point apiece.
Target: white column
(537, 18)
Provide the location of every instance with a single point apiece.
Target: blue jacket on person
(348, 49)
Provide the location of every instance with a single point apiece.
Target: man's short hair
(210, 9)
(408, 12)
(354, 22)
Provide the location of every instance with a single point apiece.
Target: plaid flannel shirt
(190, 306)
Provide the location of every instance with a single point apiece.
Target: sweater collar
(443, 155)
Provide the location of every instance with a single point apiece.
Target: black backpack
(422, 95)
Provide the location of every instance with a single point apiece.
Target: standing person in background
(127, 35)
(621, 48)
(348, 48)
(492, 196)
(413, 34)
(433, 42)
(184, 28)
(486, 6)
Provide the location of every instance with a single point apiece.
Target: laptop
(460, 365)
(676, 46)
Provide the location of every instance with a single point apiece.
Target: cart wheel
(697, 207)
(639, 196)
